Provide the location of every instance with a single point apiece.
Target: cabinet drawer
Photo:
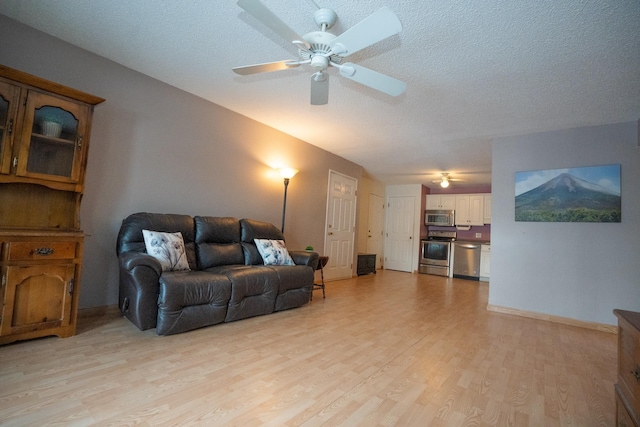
(41, 250)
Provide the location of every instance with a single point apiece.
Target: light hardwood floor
(390, 349)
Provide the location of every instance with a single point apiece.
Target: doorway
(400, 228)
(340, 226)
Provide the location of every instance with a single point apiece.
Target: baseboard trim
(612, 329)
(113, 310)
(105, 310)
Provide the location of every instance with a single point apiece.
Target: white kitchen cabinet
(441, 201)
(485, 262)
(487, 209)
(469, 209)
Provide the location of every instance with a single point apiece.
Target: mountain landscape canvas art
(587, 194)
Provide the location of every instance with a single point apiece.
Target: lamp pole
(287, 174)
(284, 205)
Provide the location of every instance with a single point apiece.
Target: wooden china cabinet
(627, 388)
(44, 138)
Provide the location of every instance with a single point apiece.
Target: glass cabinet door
(9, 95)
(51, 146)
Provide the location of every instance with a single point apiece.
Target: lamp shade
(288, 173)
(444, 183)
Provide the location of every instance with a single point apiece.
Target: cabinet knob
(43, 251)
(636, 373)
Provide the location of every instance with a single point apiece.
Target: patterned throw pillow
(168, 248)
(273, 252)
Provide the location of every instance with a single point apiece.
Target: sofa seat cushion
(296, 284)
(293, 276)
(191, 300)
(253, 290)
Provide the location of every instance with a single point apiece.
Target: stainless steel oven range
(435, 253)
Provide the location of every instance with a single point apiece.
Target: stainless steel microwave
(443, 218)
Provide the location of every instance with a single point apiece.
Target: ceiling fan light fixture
(445, 182)
(319, 62)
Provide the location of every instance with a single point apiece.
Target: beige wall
(155, 148)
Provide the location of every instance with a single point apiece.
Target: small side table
(322, 261)
(366, 264)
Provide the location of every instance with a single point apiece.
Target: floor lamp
(287, 174)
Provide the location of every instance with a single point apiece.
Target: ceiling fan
(444, 180)
(322, 50)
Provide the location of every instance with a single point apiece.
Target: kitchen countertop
(477, 241)
(480, 241)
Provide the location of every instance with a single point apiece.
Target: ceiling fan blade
(319, 88)
(376, 27)
(265, 68)
(258, 10)
(373, 79)
(313, 4)
(446, 177)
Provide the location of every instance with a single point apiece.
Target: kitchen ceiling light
(445, 182)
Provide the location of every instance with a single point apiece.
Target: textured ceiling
(474, 70)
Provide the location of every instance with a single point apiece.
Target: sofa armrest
(131, 260)
(305, 258)
(139, 288)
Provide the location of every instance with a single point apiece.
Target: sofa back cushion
(252, 229)
(130, 237)
(218, 241)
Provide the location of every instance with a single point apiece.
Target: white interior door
(400, 228)
(340, 226)
(375, 228)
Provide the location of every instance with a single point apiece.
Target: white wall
(580, 271)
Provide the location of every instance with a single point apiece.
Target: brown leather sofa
(227, 279)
